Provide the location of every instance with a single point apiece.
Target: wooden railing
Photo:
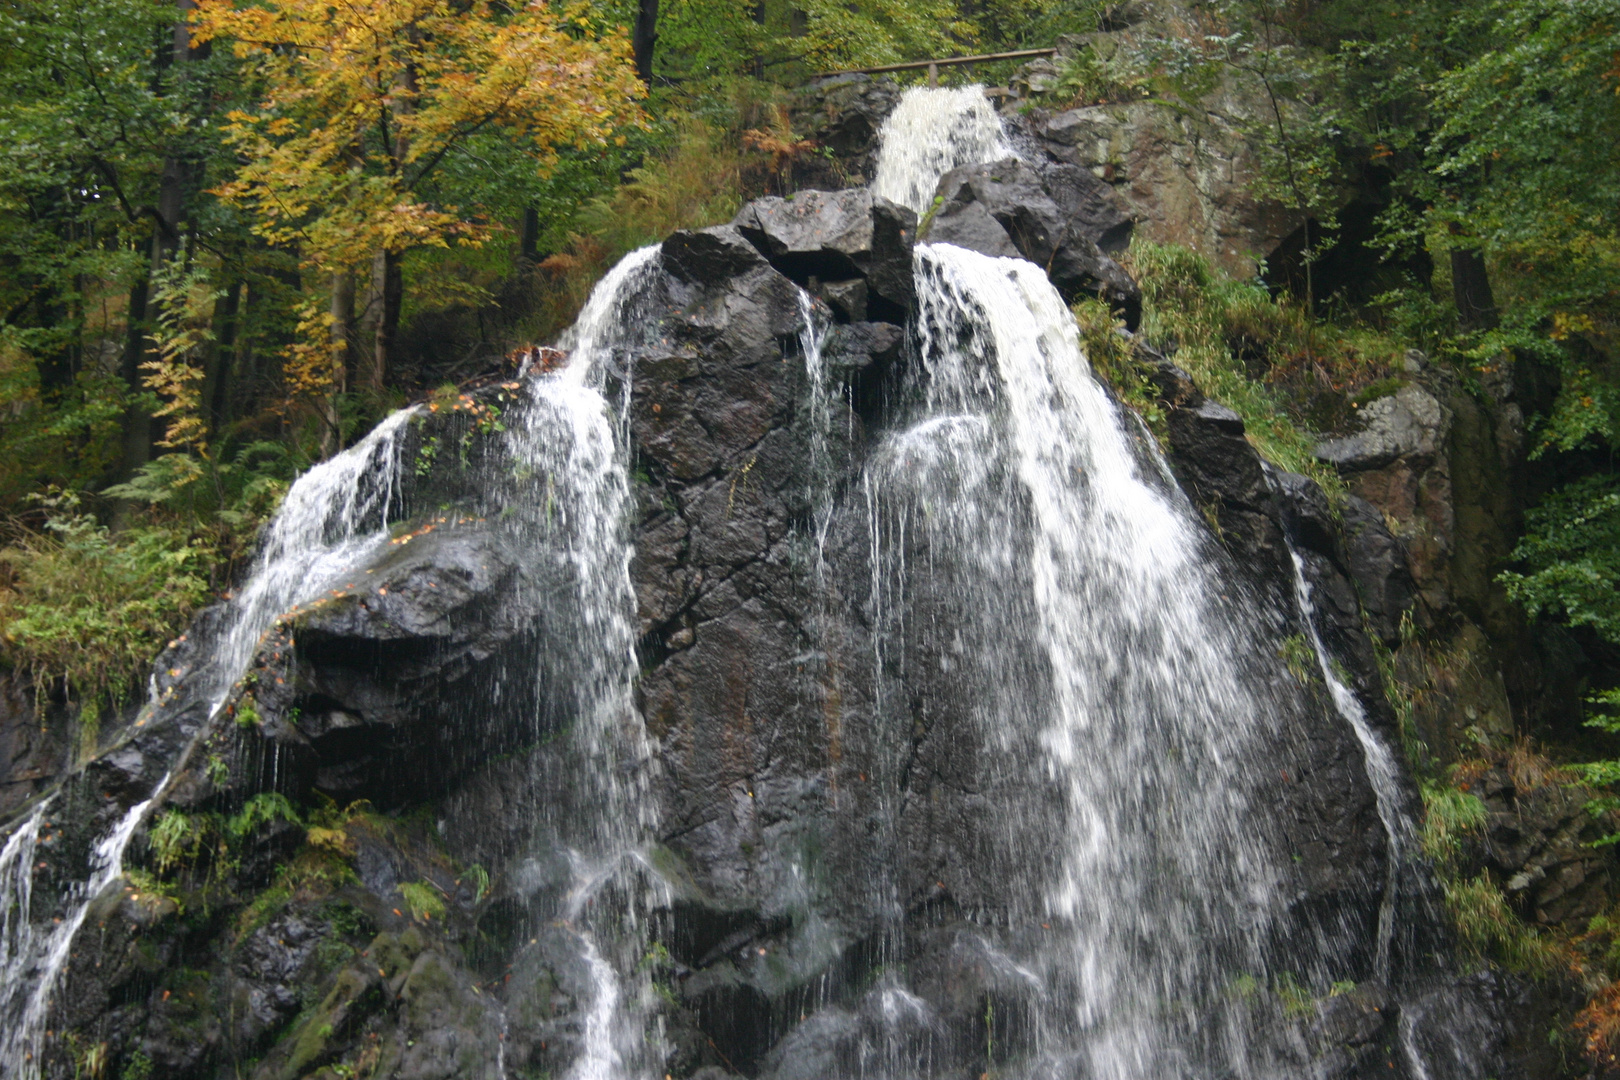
(933, 66)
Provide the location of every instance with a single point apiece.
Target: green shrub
(1287, 374)
(1449, 816)
(1489, 929)
(1208, 320)
(1571, 557)
(1299, 656)
(261, 810)
(423, 900)
(93, 607)
(1112, 360)
(137, 1067)
(247, 713)
(174, 838)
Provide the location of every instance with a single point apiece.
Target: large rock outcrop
(808, 833)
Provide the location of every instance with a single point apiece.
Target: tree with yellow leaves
(361, 100)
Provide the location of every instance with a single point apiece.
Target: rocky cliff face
(808, 848)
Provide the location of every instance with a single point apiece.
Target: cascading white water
(32, 972)
(333, 517)
(1018, 475)
(1382, 772)
(1112, 665)
(1148, 726)
(17, 896)
(569, 441)
(572, 443)
(931, 132)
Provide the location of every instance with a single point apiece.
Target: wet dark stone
(1378, 564)
(1006, 208)
(842, 114)
(711, 254)
(837, 236)
(860, 344)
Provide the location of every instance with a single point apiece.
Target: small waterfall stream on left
(568, 440)
(333, 515)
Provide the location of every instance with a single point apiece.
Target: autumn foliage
(363, 100)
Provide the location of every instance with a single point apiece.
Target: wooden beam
(914, 65)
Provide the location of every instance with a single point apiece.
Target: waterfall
(568, 442)
(1095, 635)
(333, 516)
(931, 132)
(572, 444)
(1382, 772)
(1114, 660)
(17, 894)
(1031, 559)
(32, 970)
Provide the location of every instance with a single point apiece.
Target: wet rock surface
(808, 833)
(837, 236)
(843, 115)
(1056, 219)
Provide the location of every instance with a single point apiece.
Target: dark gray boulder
(716, 253)
(837, 236)
(1006, 208)
(1377, 562)
(847, 298)
(842, 115)
(1091, 207)
(860, 344)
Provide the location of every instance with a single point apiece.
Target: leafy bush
(1111, 359)
(1090, 77)
(1571, 552)
(423, 900)
(1262, 357)
(1489, 929)
(261, 810)
(220, 501)
(1449, 816)
(695, 183)
(82, 603)
(174, 837)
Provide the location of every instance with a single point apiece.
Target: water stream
(931, 132)
(571, 442)
(1382, 772)
(33, 970)
(1114, 663)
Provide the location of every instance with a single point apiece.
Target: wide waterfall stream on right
(816, 674)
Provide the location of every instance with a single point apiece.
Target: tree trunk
(217, 386)
(342, 348)
(644, 38)
(759, 59)
(389, 283)
(137, 421)
(55, 363)
(170, 210)
(529, 239)
(1471, 288)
